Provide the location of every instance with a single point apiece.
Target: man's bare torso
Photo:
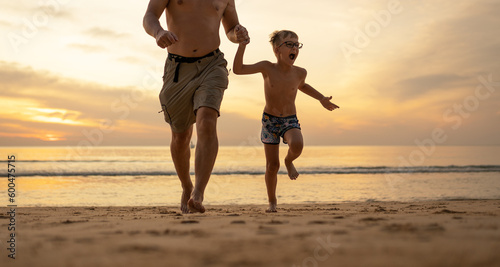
(196, 23)
(281, 90)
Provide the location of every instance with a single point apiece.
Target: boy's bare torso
(280, 88)
(196, 23)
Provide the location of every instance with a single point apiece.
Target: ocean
(145, 176)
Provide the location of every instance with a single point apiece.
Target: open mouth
(292, 56)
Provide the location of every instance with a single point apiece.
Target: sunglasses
(291, 44)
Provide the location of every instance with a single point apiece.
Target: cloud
(98, 32)
(88, 48)
(40, 9)
(468, 40)
(133, 60)
(4, 23)
(421, 85)
(446, 52)
(41, 100)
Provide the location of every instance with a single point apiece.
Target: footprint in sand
(446, 211)
(139, 248)
(399, 227)
(277, 222)
(153, 232)
(263, 230)
(84, 240)
(134, 232)
(372, 219)
(434, 227)
(380, 209)
(57, 239)
(320, 222)
(175, 232)
(199, 233)
(70, 221)
(410, 228)
(340, 232)
(189, 221)
(168, 212)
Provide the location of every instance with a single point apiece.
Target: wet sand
(433, 233)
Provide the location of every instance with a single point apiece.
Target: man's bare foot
(272, 207)
(186, 195)
(292, 172)
(195, 206)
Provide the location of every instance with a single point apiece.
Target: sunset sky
(76, 72)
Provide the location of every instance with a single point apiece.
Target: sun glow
(52, 137)
(51, 115)
(48, 119)
(42, 136)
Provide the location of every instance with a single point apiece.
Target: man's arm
(234, 31)
(240, 68)
(310, 91)
(151, 23)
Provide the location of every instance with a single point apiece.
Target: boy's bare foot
(272, 208)
(195, 206)
(186, 195)
(292, 172)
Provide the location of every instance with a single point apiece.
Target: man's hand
(165, 38)
(327, 104)
(241, 34)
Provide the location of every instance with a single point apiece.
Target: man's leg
(272, 168)
(207, 147)
(180, 150)
(295, 144)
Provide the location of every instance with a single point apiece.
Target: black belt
(180, 59)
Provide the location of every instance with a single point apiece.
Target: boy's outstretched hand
(327, 104)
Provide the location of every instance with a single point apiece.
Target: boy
(281, 81)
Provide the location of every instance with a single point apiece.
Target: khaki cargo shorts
(191, 83)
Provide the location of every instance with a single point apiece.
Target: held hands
(241, 34)
(165, 38)
(325, 101)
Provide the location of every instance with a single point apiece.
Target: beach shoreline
(422, 233)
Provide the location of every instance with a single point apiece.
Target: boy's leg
(295, 144)
(206, 152)
(181, 153)
(271, 176)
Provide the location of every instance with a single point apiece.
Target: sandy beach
(433, 233)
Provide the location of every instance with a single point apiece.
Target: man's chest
(202, 7)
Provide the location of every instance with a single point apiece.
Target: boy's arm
(310, 91)
(240, 68)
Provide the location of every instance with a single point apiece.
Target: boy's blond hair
(277, 36)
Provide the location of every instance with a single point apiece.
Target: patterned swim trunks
(275, 127)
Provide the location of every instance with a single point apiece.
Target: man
(194, 82)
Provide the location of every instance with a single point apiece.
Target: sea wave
(253, 171)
